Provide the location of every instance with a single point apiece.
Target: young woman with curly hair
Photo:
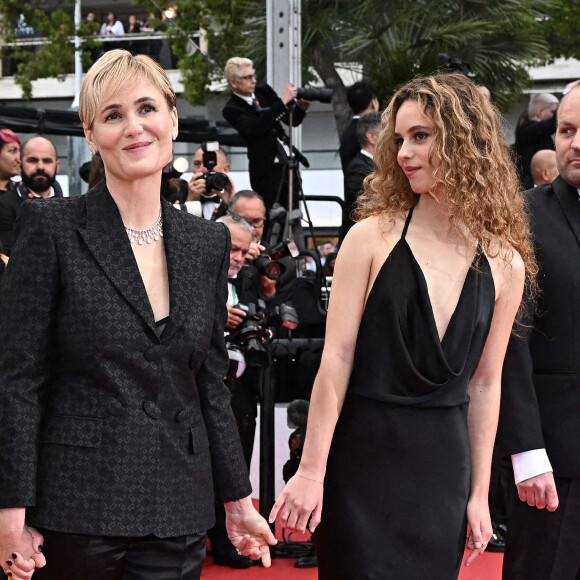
(425, 292)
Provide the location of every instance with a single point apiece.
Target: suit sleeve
(229, 469)
(28, 304)
(251, 126)
(519, 427)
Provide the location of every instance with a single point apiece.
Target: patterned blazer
(107, 428)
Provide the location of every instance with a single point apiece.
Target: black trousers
(82, 557)
(543, 545)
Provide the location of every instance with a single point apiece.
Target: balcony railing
(152, 44)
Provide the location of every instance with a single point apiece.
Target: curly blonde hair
(474, 168)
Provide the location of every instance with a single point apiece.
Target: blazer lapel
(184, 255)
(568, 198)
(107, 240)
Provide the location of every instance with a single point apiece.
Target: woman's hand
(480, 527)
(20, 545)
(301, 498)
(248, 531)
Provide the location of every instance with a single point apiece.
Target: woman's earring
(174, 135)
(92, 150)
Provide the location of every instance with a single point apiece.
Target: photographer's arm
(252, 126)
(302, 496)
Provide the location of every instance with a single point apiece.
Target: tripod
(290, 174)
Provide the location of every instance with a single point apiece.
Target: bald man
(40, 166)
(543, 166)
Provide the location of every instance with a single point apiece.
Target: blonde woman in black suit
(116, 423)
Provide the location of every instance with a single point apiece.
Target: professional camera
(214, 180)
(313, 94)
(268, 263)
(456, 65)
(254, 331)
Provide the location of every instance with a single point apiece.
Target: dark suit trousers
(82, 557)
(543, 545)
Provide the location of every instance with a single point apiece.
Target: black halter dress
(398, 471)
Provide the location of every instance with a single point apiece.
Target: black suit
(356, 171)
(108, 428)
(10, 203)
(531, 137)
(541, 389)
(261, 127)
(349, 144)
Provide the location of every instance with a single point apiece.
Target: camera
(214, 180)
(313, 94)
(254, 331)
(268, 263)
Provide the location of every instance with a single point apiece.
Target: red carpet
(486, 567)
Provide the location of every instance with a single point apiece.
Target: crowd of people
(141, 441)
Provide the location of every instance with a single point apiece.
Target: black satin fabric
(84, 557)
(398, 472)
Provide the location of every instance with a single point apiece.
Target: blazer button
(151, 409)
(155, 352)
(196, 360)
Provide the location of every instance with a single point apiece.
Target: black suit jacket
(532, 136)
(541, 377)
(260, 130)
(356, 171)
(106, 427)
(10, 203)
(349, 144)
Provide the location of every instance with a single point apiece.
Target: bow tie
(214, 199)
(232, 281)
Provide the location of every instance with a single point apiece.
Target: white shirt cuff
(530, 463)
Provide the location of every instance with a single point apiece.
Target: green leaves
(390, 41)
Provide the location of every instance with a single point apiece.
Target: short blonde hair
(116, 69)
(235, 65)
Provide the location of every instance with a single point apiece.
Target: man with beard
(38, 172)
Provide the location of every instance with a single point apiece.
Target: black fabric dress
(398, 471)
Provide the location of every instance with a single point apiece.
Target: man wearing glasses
(249, 205)
(257, 113)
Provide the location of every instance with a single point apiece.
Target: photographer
(256, 112)
(249, 205)
(210, 183)
(243, 288)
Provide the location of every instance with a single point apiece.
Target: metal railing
(152, 44)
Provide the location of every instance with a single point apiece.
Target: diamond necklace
(149, 235)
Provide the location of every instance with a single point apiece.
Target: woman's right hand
(20, 545)
(301, 497)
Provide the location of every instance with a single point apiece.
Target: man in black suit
(361, 165)
(257, 113)
(362, 98)
(540, 411)
(39, 168)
